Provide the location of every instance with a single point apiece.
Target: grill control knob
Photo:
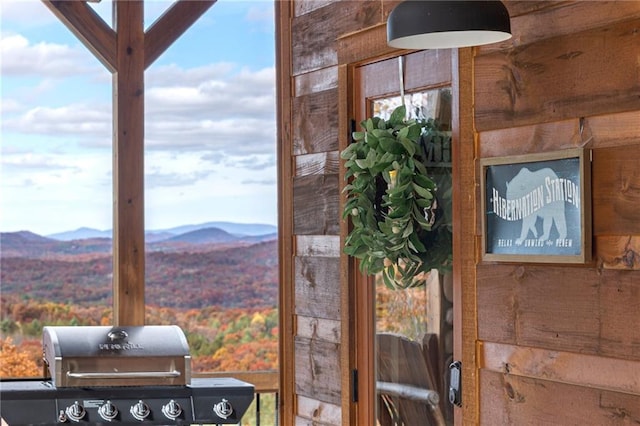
(172, 410)
(140, 410)
(75, 412)
(108, 411)
(223, 409)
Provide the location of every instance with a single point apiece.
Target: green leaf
(348, 151)
(362, 164)
(424, 181)
(368, 124)
(414, 240)
(403, 132)
(398, 115)
(423, 192)
(414, 132)
(371, 140)
(391, 145)
(408, 145)
(423, 203)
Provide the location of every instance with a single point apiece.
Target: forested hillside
(238, 276)
(220, 289)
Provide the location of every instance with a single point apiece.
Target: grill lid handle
(125, 375)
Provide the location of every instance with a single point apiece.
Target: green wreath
(398, 222)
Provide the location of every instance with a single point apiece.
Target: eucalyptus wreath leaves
(399, 227)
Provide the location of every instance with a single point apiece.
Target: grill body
(101, 375)
(37, 402)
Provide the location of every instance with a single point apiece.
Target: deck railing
(264, 410)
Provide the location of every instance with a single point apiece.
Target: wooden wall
(320, 367)
(560, 344)
(555, 344)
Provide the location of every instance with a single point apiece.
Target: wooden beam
(171, 25)
(128, 164)
(89, 27)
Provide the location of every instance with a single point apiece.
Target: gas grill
(125, 375)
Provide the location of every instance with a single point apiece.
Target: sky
(210, 151)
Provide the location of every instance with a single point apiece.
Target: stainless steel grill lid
(116, 356)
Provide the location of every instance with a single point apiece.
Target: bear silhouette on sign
(524, 183)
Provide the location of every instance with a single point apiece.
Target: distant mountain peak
(80, 234)
(206, 235)
(26, 236)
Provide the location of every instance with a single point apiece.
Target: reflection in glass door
(414, 326)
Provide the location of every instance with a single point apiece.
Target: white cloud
(70, 120)
(22, 58)
(8, 106)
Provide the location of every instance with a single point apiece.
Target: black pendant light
(425, 24)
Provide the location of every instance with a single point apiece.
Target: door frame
(359, 408)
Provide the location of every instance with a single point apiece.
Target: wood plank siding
(529, 333)
(568, 79)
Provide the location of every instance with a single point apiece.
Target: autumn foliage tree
(14, 362)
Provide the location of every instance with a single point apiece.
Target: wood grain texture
(588, 73)
(318, 245)
(618, 252)
(302, 421)
(312, 327)
(560, 18)
(316, 81)
(616, 190)
(421, 70)
(305, 6)
(318, 370)
(317, 287)
(317, 31)
(128, 161)
(573, 309)
(611, 130)
(286, 250)
(315, 205)
(322, 163)
(524, 7)
(465, 210)
(601, 131)
(316, 128)
(317, 412)
(348, 355)
(513, 400)
(611, 374)
(363, 45)
(535, 138)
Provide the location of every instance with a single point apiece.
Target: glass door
(405, 333)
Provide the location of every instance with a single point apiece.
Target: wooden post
(128, 164)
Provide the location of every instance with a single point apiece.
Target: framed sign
(537, 208)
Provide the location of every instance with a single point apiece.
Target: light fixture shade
(425, 24)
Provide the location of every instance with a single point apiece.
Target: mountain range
(236, 229)
(86, 241)
(193, 269)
